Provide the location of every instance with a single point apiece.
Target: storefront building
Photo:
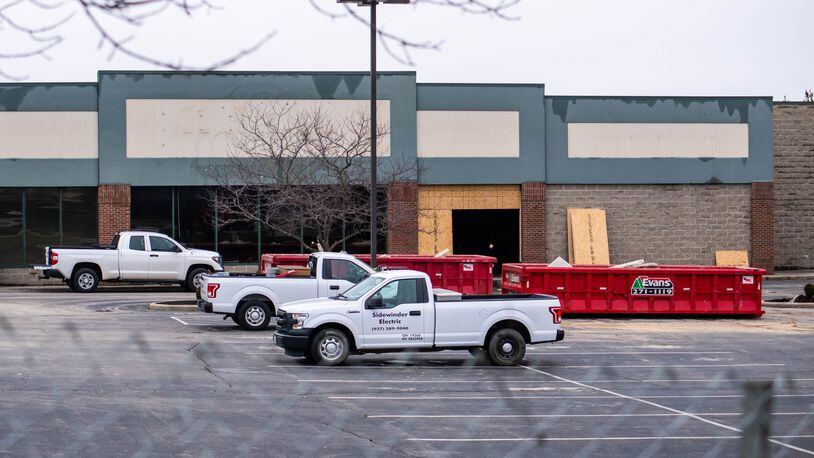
(497, 166)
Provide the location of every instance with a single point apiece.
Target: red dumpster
(661, 290)
(466, 274)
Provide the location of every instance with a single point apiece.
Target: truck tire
(84, 280)
(254, 315)
(506, 347)
(194, 278)
(330, 347)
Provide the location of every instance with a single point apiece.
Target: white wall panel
(468, 134)
(657, 140)
(49, 135)
(166, 128)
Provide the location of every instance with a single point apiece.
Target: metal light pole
(374, 209)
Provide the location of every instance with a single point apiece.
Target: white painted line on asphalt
(592, 439)
(537, 381)
(586, 415)
(664, 407)
(634, 366)
(483, 397)
(648, 353)
(417, 365)
(179, 320)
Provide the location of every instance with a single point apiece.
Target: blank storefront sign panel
(468, 133)
(207, 127)
(48, 135)
(658, 140)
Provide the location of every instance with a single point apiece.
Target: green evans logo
(646, 286)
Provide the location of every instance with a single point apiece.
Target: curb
(788, 305)
(806, 277)
(162, 307)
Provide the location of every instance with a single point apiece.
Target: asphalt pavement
(99, 374)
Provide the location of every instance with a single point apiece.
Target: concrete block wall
(794, 185)
(668, 224)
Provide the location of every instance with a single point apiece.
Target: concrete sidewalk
(802, 275)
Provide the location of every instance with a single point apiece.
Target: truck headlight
(218, 260)
(299, 320)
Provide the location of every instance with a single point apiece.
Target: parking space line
(664, 407)
(538, 381)
(416, 365)
(180, 320)
(773, 439)
(642, 366)
(586, 415)
(483, 397)
(648, 353)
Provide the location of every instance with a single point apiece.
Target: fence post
(755, 424)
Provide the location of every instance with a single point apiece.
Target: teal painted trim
(527, 99)
(48, 97)
(756, 111)
(116, 87)
(49, 172)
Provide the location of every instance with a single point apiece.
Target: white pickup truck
(251, 300)
(399, 310)
(133, 256)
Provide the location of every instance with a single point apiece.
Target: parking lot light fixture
(374, 216)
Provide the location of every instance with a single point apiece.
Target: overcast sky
(582, 47)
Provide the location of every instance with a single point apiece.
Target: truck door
(166, 259)
(134, 261)
(393, 315)
(338, 275)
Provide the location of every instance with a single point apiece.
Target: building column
(114, 210)
(532, 222)
(402, 218)
(762, 217)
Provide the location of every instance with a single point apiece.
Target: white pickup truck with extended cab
(399, 310)
(251, 300)
(133, 256)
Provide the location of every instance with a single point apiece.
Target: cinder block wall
(794, 185)
(668, 224)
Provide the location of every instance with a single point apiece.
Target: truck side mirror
(374, 302)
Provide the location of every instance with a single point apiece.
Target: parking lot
(101, 374)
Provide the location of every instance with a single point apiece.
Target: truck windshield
(361, 288)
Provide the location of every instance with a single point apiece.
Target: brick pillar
(532, 222)
(114, 210)
(763, 226)
(402, 218)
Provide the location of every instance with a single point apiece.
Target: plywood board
(587, 237)
(732, 258)
(570, 236)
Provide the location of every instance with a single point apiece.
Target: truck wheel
(84, 280)
(193, 280)
(330, 347)
(506, 347)
(254, 316)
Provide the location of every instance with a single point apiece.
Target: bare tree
(295, 165)
(31, 28)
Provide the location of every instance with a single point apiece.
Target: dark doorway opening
(487, 232)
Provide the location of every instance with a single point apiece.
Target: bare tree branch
(291, 166)
(28, 21)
